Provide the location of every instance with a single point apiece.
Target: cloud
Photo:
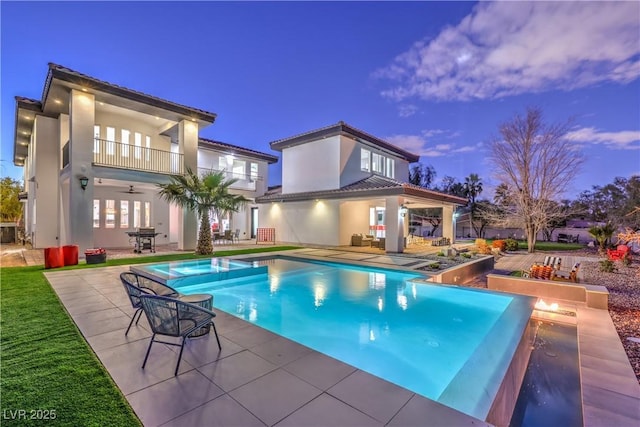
(407, 110)
(622, 140)
(510, 48)
(420, 145)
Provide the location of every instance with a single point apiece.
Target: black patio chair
(136, 285)
(174, 318)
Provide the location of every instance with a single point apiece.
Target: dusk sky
(436, 78)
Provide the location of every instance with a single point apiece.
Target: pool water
(184, 273)
(446, 343)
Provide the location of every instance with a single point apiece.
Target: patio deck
(260, 378)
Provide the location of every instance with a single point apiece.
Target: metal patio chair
(174, 318)
(136, 285)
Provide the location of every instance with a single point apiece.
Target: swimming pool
(184, 273)
(449, 344)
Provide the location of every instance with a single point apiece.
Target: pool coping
(609, 389)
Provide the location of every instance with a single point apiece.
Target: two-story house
(93, 153)
(339, 180)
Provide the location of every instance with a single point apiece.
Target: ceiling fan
(132, 191)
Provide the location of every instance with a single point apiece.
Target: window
(377, 163)
(390, 171)
(111, 138)
(254, 172)
(125, 142)
(136, 214)
(365, 160)
(137, 141)
(96, 139)
(222, 163)
(147, 142)
(110, 214)
(96, 213)
(147, 214)
(124, 214)
(239, 169)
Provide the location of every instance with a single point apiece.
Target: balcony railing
(127, 156)
(244, 181)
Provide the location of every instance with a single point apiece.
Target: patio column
(394, 225)
(81, 121)
(187, 220)
(447, 223)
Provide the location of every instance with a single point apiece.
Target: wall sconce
(403, 211)
(83, 182)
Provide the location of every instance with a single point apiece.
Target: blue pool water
(449, 344)
(184, 273)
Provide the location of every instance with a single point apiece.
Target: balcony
(244, 181)
(126, 156)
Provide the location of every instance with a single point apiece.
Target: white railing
(127, 156)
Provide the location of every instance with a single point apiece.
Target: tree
(615, 202)
(536, 162)
(602, 234)
(10, 205)
(422, 175)
(485, 214)
(203, 194)
(472, 188)
(450, 185)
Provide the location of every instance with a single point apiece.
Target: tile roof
(72, 76)
(235, 149)
(373, 185)
(341, 128)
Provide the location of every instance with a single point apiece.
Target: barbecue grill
(144, 238)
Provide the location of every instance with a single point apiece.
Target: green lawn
(546, 246)
(45, 363)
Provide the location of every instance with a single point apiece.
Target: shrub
(465, 255)
(511, 245)
(434, 265)
(500, 244)
(440, 253)
(607, 266)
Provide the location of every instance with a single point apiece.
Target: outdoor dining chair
(136, 285)
(174, 318)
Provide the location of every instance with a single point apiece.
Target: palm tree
(472, 188)
(602, 234)
(202, 194)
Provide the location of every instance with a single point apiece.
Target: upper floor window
(111, 140)
(125, 143)
(365, 160)
(137, 141)
(147, 144)
(377, 163)
(390, 169)
(254, 172)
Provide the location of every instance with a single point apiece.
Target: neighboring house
(339, 180)
(93, 153)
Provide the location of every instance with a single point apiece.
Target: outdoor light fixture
(403, 211)
(83, 182)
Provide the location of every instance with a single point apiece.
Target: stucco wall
(303, 222)
(312, 166)
(354, 219)
(45, 186)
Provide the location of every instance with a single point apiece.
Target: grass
(547, 246)
(46, 363)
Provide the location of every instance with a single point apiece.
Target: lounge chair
(571, 276)
(174, 318)
(360, 240)
(136, 285)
